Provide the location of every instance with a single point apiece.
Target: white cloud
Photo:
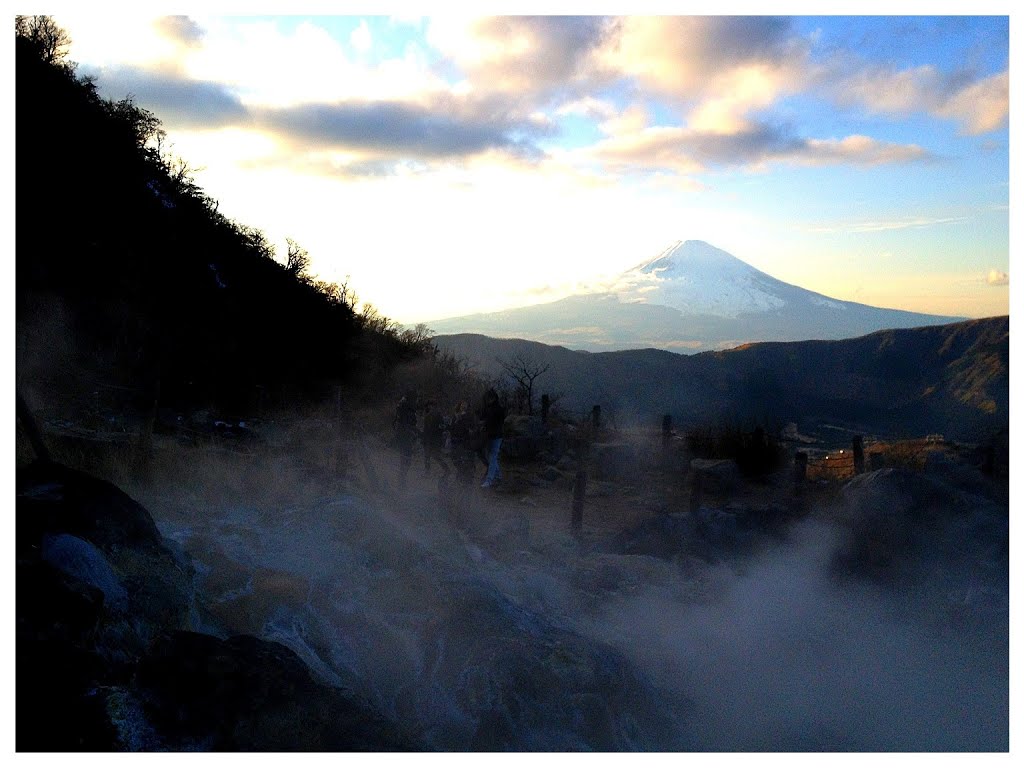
(589, 106)
(725, 67)
(996, 277)
(519, 55)
(273, 67)
(361, 38)
(886, 225)
(859, 150)
(980, 107)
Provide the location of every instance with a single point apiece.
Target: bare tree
(524, 370)
(298, 259)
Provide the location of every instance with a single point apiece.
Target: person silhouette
(493, 414)
(404, 425)
(433, 440)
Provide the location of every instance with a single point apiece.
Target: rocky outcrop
(921, 529)
(105, 658)
(243, 693)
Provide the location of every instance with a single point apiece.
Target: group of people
(471, 435)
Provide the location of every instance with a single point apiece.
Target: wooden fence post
(858, 455)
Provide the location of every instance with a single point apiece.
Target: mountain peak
(691, 296)
(698, 278)
(689, 255)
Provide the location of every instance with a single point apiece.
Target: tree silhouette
(298, 260)
(157, 283)
(524, 370)
(42, 33)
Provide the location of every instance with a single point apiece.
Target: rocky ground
(260, 600)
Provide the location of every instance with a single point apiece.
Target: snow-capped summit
(695, 253)
(690, 297)
(697, 278)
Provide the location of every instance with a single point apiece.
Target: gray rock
(77, 557)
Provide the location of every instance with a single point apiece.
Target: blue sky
(457, 164)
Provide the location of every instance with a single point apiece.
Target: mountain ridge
(951, 379)
(690, 297)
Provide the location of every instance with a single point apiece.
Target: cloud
(886, 225)
(181, 30)
(685, 151)
(860, 150)
(361, 38)
(269, 65)
(995, 277)
(524, 55)
(396, 129)
(981, 107)
(344, 166)
(684, 55)
(589, 106)
(381, 137)
(721, 67)
(978, 105)
(177, 100)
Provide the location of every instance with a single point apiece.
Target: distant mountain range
(951, 379)
(692, 297)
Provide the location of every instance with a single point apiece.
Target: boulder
(105, 660)
(906, 526)
(243, 693)
(54, 498)
(86, 563)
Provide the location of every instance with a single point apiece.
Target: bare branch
(524, 371)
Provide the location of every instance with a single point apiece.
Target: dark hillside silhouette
(128, 274)
(951, 379)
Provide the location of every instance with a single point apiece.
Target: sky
(449, 164)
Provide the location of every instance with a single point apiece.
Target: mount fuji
(692, 297)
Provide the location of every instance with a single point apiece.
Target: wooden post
(579, 494)
(545, 407)
(858, 455)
